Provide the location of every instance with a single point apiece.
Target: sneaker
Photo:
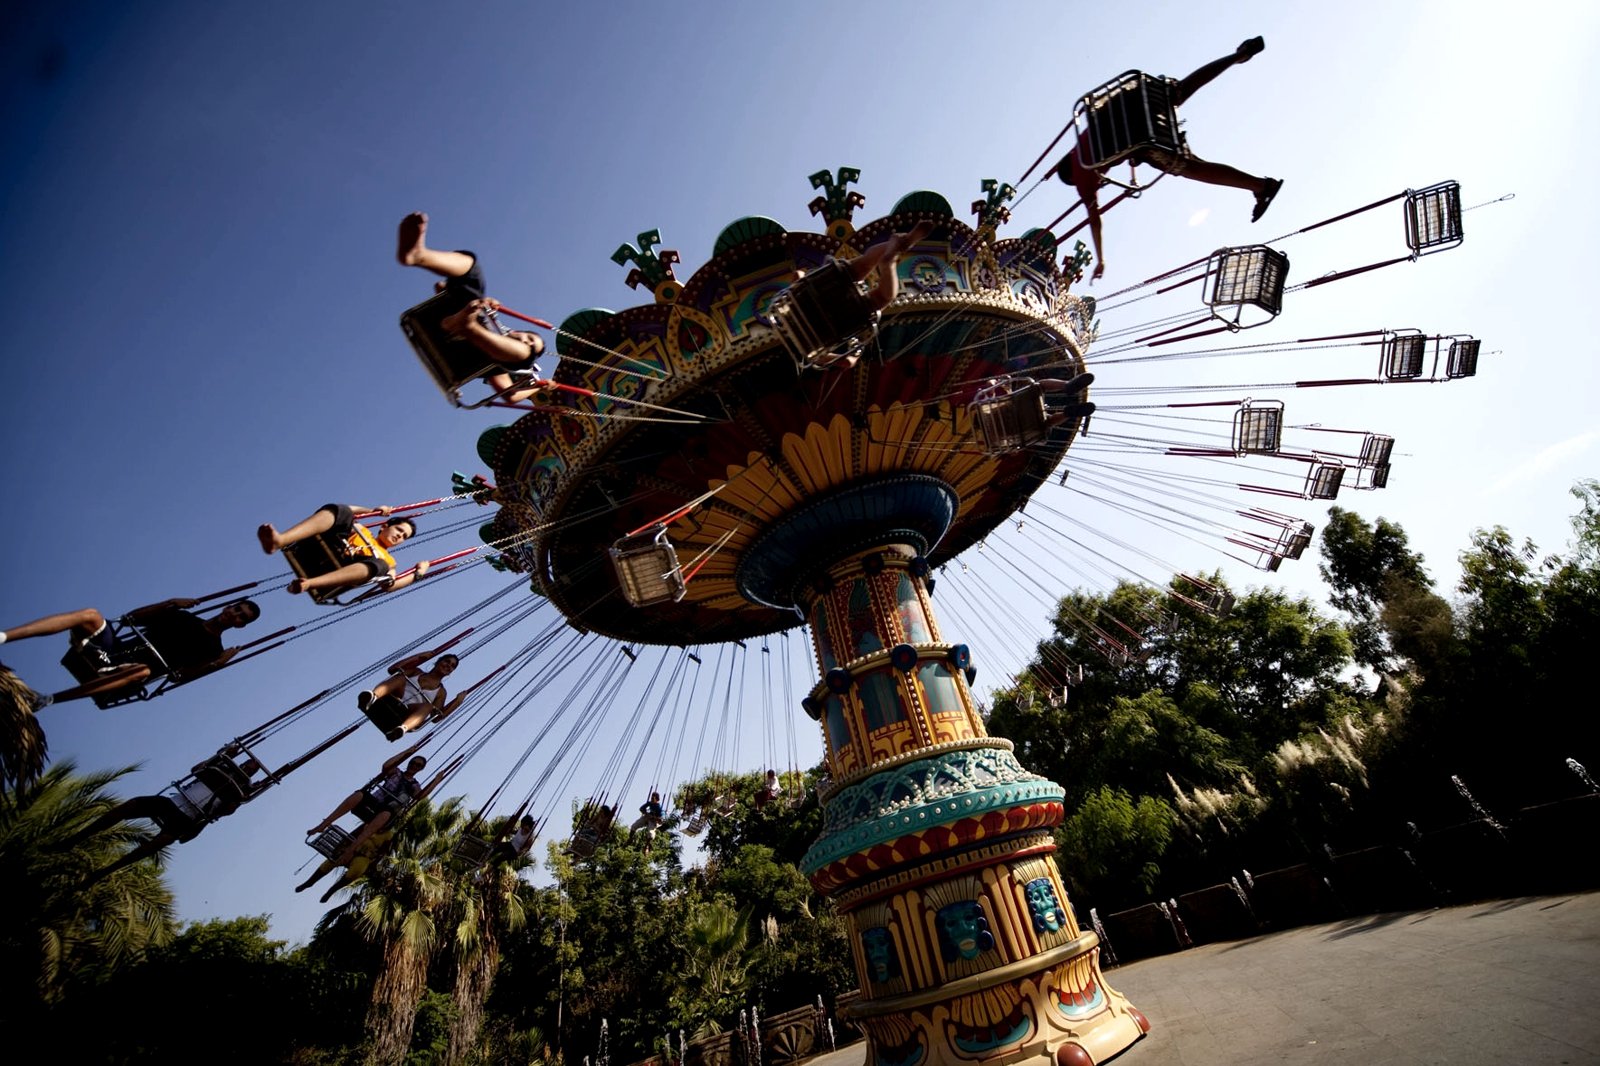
(1264, 200)
(364, 700)
(1251, 47)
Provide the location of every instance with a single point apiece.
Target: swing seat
(331, 842)
(88, 664)
(472, 850)
(1131, 113)
(388, 714)
(1462, 362)
(317, 555)
(1258, 428)
(452, 361)
(1293, 542)
(1404, 353)
(1250, 276)
(696, 824)
(1370, 478)
(1009, 414)
(583, 843)
(1433, 218)
(1323, 481)
(823, 317)
(647, 568)
(1376, 449)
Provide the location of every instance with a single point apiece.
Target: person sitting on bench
(519, 844)
(1087, 181)
(368, 553)
(410, 696)
(459, 273)
(175, 642)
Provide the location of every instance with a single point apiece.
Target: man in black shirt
(156, 640)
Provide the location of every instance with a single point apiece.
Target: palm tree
(487, 903)
(22, 743)
(715, 970)
(55, 925)
(395, 905)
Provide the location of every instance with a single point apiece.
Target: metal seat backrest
(450, 360)
(1132, 111)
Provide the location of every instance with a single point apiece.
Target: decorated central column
(937, 845)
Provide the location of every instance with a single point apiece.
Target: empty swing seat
(1293, 542)
(1251, 276)
(452, 361)
(388, 713)
(1323, 481)
(1462, 362)
(1404, 353)
(330, 842)
(1433, 218)
(823, 316)
(1132, 112)
(1258, 427)
(1008, 414)
(1376, 449)
(1372, 477)
(647, 567)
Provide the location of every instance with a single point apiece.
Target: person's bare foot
(268, 537)
(413, 238)
(296, 587)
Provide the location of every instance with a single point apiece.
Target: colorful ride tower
(791, 487)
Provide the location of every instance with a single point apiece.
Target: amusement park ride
(763, 447)
(752, 453)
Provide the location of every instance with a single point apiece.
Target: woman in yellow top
(367, 552)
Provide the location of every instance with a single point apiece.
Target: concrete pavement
(1498, 982)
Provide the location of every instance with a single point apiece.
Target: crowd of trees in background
(1258, 737)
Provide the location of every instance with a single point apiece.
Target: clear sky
(199, 202)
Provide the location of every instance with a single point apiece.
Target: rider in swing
(1087, 181)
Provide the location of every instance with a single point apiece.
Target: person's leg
(116, 678)
(888, 251)
(414, 251)
(143, 851)
(338, 812)
(1222, 174)
(321, 521)
(375, 824)
(84, 624)
(351, 574)
(318, 874)
(1203, 76)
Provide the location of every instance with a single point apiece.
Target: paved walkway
(1512, 981)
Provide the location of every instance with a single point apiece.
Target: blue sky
(199, 203)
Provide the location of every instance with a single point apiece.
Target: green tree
(487, 905)
(396, 906)
(57, 928)
(1377, 579)
(1111, 847)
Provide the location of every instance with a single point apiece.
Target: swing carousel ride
(761, 448)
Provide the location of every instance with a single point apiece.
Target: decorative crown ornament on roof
(653, 269)
(837, 206)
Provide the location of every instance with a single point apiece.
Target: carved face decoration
(963, 931)
(1041, 896)
(882, 963)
